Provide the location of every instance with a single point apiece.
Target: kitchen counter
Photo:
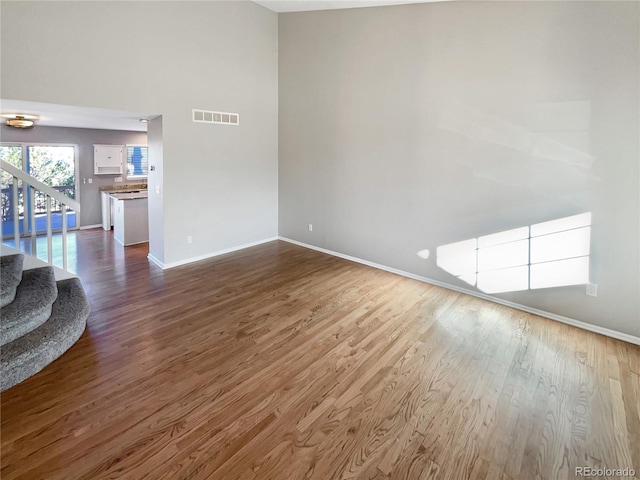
(129, 195)
(130, 218)
(127, 187)
(111, 193)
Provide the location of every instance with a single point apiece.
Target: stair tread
(11, 268)
(31, 307)
(30, 353)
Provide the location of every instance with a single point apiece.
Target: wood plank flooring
(278, 362)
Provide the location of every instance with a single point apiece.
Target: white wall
(219, 183)
(411, 127)
(155, 184)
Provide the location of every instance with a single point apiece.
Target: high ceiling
(282, 6)
(68, 116)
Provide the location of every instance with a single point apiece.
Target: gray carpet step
(30, 353)
(10, 276)
(32, 304)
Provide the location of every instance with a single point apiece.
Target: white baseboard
(89, 227)
(154, 260)
(559, 318)
(165, 266)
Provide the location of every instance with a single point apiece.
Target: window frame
(126, 162)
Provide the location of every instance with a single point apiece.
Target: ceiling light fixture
(144, 120)
(18, 120)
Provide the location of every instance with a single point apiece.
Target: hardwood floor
(278, 362)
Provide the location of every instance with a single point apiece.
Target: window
(56, 166)
(137, 161)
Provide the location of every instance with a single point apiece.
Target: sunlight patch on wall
(424, 254)
(560, 127)
(544, 255)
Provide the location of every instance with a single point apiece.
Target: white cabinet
(108, 159)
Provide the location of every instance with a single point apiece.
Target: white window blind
(137, 161)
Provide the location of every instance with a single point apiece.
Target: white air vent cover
(224, 118)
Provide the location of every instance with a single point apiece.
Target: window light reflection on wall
(544, 255)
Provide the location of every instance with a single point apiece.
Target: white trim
(552, 316)
(165, 266)
(131, 244)
(89, 227)
(155, 260)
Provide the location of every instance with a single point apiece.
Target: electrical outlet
(117, 179)
(592, 289)
(189, 239)
(158, 189)
(310, 227)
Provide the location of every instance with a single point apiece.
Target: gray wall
(219, 183)
(410, 127)
(84, 138)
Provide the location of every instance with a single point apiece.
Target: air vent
(224, 118)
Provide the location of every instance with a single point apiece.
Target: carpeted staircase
(40, 318)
